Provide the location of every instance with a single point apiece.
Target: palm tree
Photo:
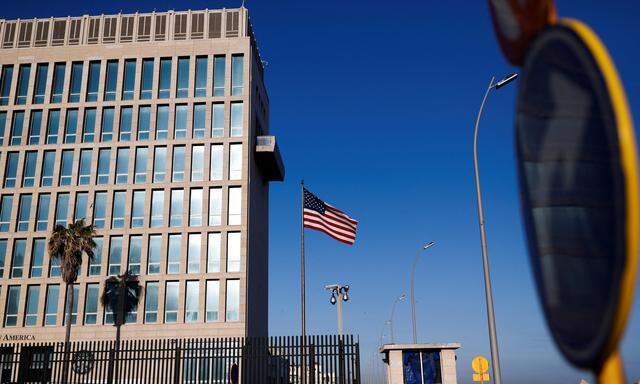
(121, 295)
(67, 245)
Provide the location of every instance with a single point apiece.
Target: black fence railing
(273, 360)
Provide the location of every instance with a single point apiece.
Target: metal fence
(274, 360)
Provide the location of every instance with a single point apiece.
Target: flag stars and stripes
(323, 217)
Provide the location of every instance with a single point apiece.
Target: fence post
(312, 363)
(341, 371)
(176, 365)
(357, 373)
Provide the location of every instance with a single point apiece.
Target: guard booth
(429, 363)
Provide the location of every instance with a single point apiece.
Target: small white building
(428, 363)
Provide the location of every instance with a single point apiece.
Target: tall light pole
(413, 297)
(493, 338)
(342, 293)
(393, 310)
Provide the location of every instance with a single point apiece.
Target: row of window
(82, 172)
(123, 250)
(128, 210)
(92, 71)
(127, 130)
(192, 311)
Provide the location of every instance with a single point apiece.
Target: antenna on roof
(242, 6)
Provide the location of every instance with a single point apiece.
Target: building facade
(153, 127)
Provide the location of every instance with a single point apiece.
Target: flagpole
(302, 287)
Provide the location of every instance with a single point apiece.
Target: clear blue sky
(373, 104)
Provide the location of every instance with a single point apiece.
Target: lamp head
(402, 297)
(506, 80)
(333, 299)
(429, 245)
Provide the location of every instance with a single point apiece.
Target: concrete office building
(155, 128)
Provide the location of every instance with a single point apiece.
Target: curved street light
(393, 310)
(413, 298)
(493, 338)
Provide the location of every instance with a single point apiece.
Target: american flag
(323, 217)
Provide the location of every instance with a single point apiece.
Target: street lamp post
(393, 310)
(413, 298)
(493, 338)
(342, 293)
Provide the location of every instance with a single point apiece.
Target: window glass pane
(218, 75)
(159, 164)
(191, 302)
(91, 304)
(162, 122)
(135, 254)
(24, 210)
(178, 164)
(195, 207)
(94, 79)
(5, 84)
(58, 82)
(151, 303)
(5, 212)
(29, 171)
(115, 255)
(23, 84)
(44, 200)
(84, 175)
(233, 252)
(213, 253)
(122, 166)
(137, 209)
(157, 208)
(197, 163)
(74, 308)
(237, 69)
(147, 79)
(129, 79)
(71, 126)
(3, 255)
(100, 209)
(235, 161)
(125, 123)
(37, 257)
(48, 161)
(235, 206)
(141, 165)
(11, 170)
(216, 162)
(236, 119)
(233, 300)
(89, 125)
(104, 159)
(117, 216)
(111, 80)
(35, 126)
(173, 254)
(183, 77)
(11, 310)
(51, 307)
(66, 168)
(3, 123)
(201, 76)
(16, 128)
(194, 253)
(181, 122)
(76, 82)
(164, 86)
(53, 124)
(171, 302)
(41, 83)
(153, 258)
(177, 198)
(217, 120)
(215, 206)
(107, 125)
(144, 122)
(199, 114)
(31, 309)
(213, 299)
(62, 208)
(80, 210)
(17, 262)
(95, 264)
(54, 267)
